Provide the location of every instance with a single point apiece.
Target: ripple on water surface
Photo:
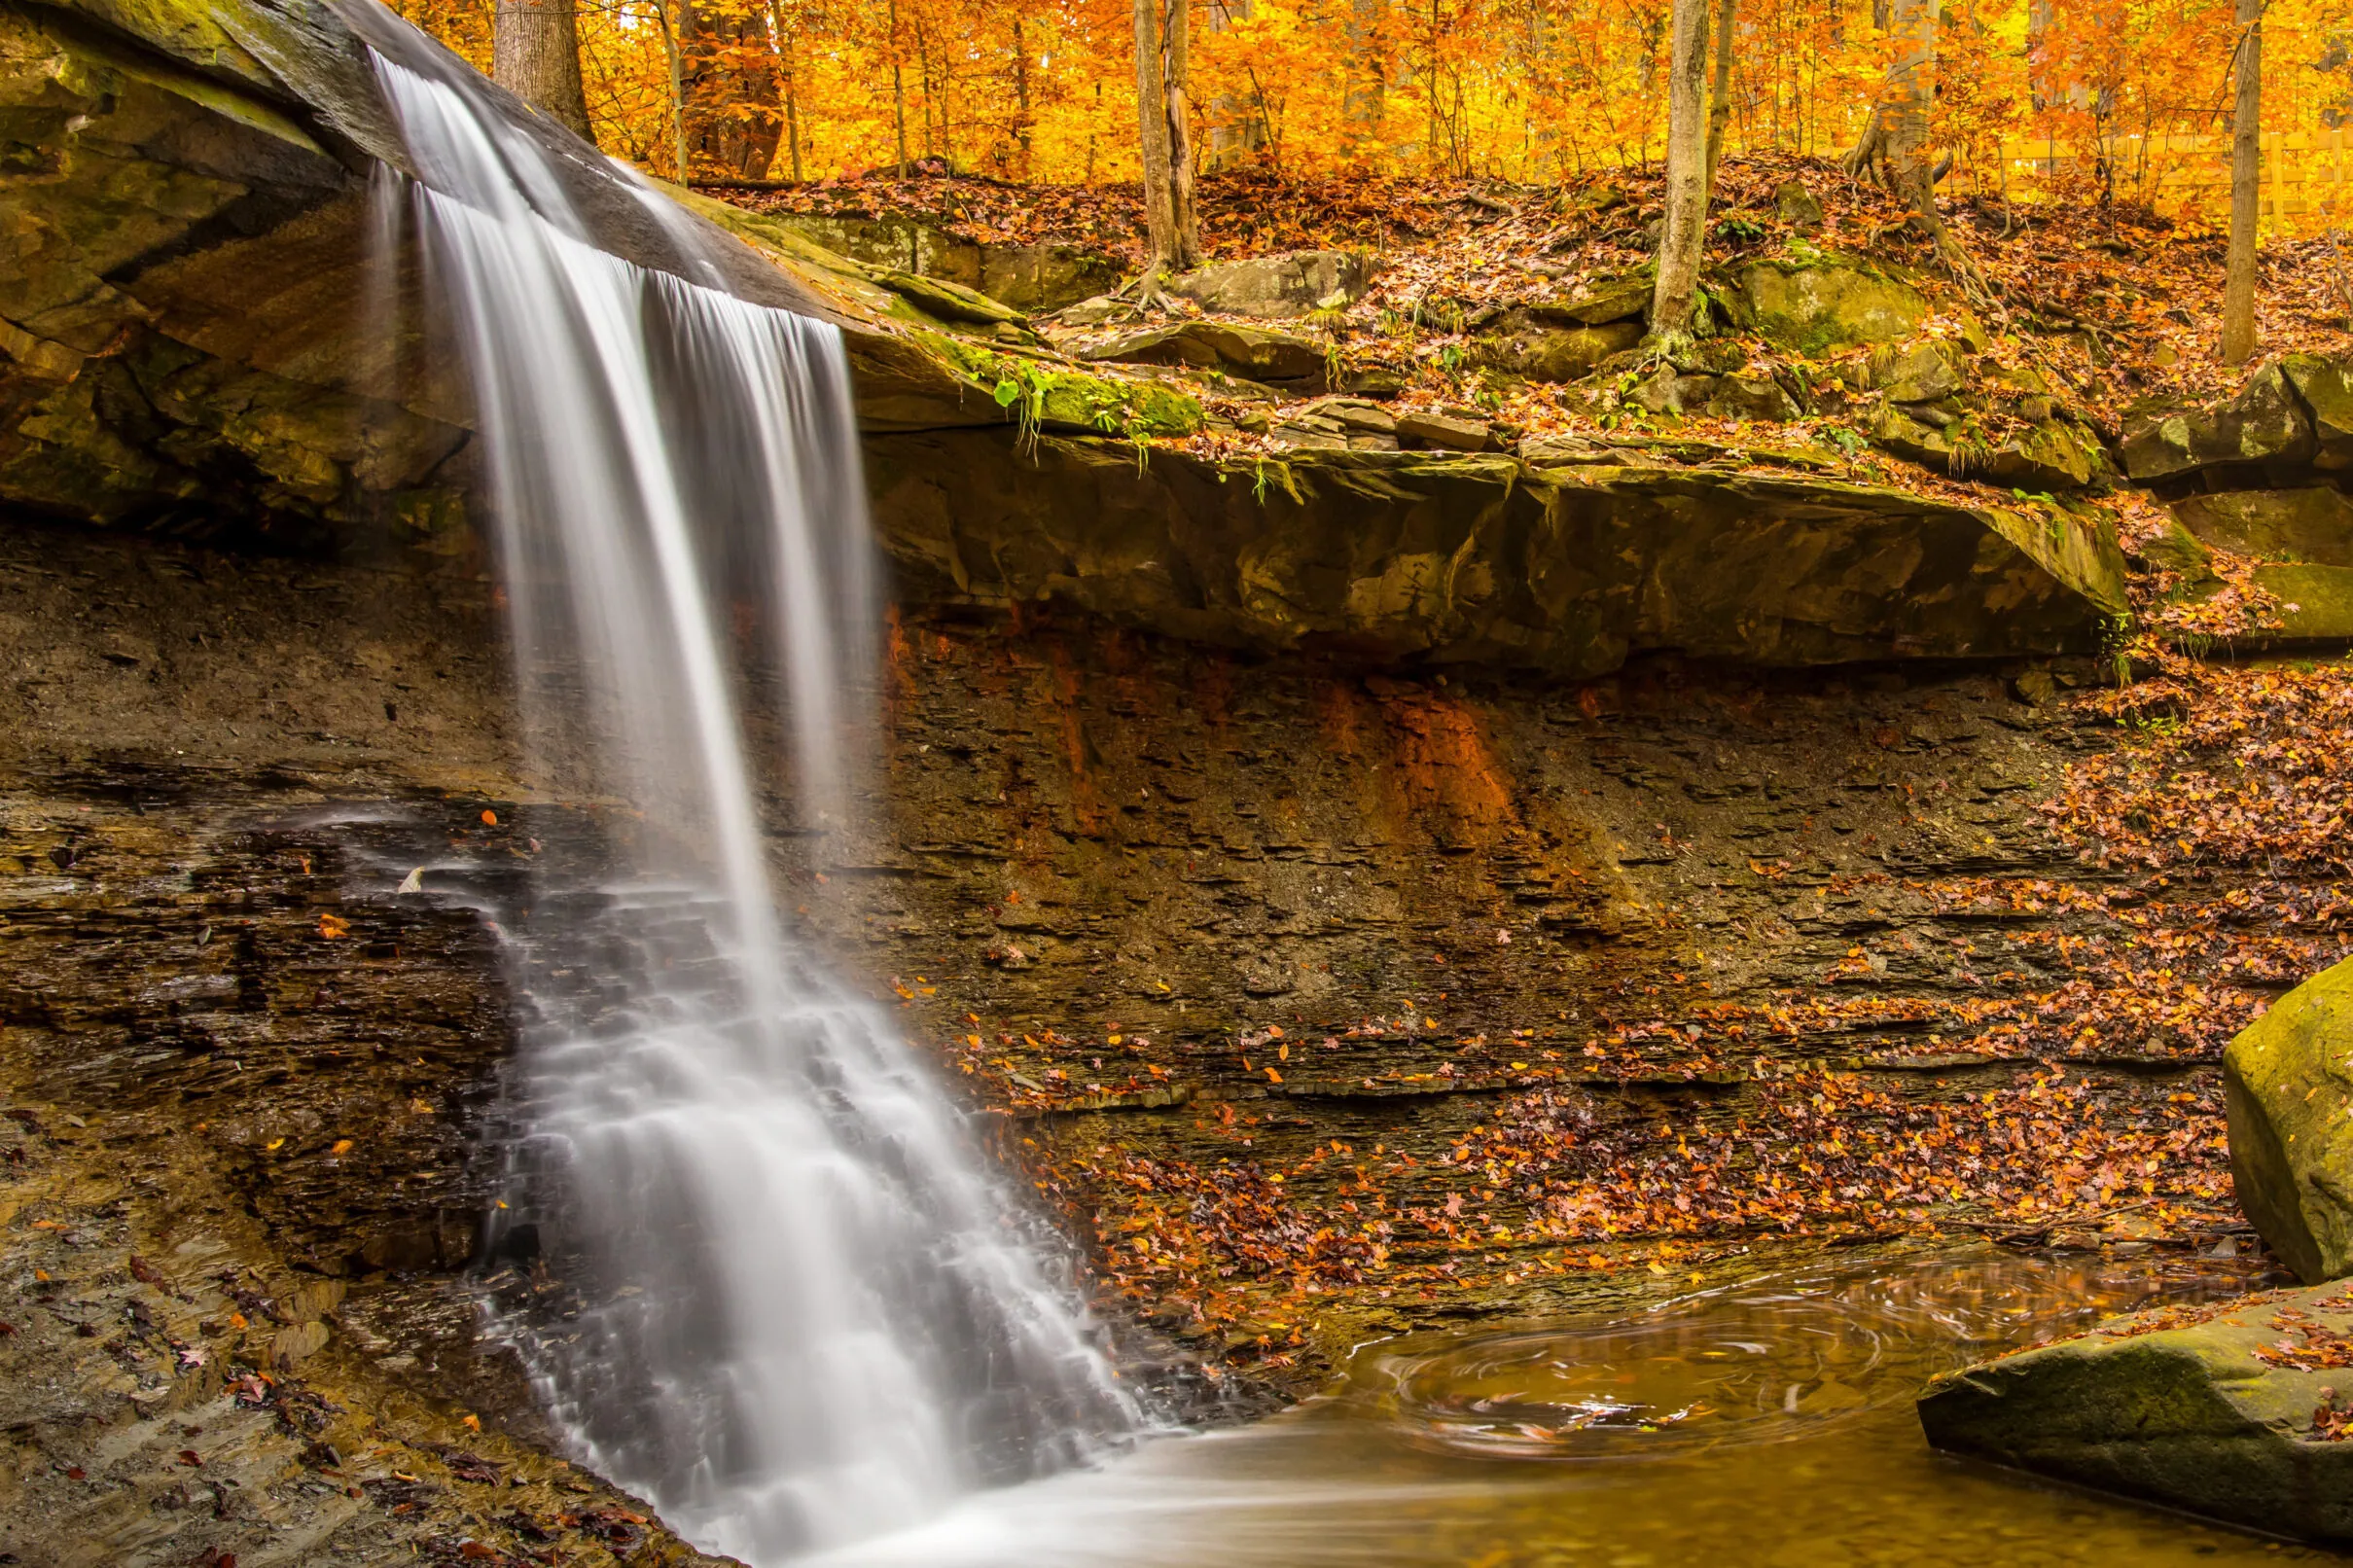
(1763, 1423)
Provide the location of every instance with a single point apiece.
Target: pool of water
(1768, 1423)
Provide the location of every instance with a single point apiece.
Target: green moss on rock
(2288, 1081)
(2192, 1417)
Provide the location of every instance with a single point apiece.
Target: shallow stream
(1768, 1422)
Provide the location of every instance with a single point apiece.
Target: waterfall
(803, 1309)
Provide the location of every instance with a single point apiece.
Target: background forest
(2035, 99)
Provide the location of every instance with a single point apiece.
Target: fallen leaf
(331, 926)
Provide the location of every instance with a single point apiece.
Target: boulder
(1031, 279)
(1278, 359)
(2316, 606)
(2237, 1412)
(1815, 305)
(1450, 432)
(1598, 304)
(2313, 523)
(1922, 372)
(2288, 1079)
(1565, 568)
(1750, 397)
(1275, 287)
(2264, 423)
(1544, 353)
(2052, 455)
(948, 300)
(1794, 205)
(2325, 388)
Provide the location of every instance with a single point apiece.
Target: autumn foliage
(2107, 98)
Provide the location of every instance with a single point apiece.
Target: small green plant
(1740, 231)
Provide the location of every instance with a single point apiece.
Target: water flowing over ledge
(816, 1312)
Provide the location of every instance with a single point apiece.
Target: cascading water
(810, 1312)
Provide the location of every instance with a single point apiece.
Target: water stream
(811, 1311)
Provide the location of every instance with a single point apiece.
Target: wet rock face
(1381, 556)
(2236, 1413)
(2291, 1139)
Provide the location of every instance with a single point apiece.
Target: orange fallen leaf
(331, 926)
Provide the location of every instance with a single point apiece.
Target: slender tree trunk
(1720, 93)
(678, 88)
(2246, 189)
(1022, 129)
(1176, 49)
(792, 108)
(1151, 126)
(535, 55)
(1364, 100)
(1685, 219)
(898, 90)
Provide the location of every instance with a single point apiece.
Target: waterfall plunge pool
(1768, 1422)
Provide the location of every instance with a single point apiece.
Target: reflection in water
(1774, 1418)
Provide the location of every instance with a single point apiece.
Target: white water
(806, 1310)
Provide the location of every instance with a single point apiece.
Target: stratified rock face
(2290, 1081)
(1395, 556)
(1291, 284)
(2216, 1417)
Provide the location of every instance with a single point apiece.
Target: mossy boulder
(2325, 386)
(1922, 372)
(1290, 284)
(2311, 523)
(1600, 303)
(2288, 1081)
(1825, 301)
(1543, 351)
(1030, 279)
(2262, 424)
(1277, 359)
(2316, 606)
(2216, 1416)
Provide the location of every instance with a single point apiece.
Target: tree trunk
(535, 55)
(1026, 119)
(1363, 98)
(2246, 189)
(1176, 49)
(898, 90)
(678, 88)
(1720, 94)
(1894, 148)
(1685, 219)
(733, 115)
(1151, 126)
